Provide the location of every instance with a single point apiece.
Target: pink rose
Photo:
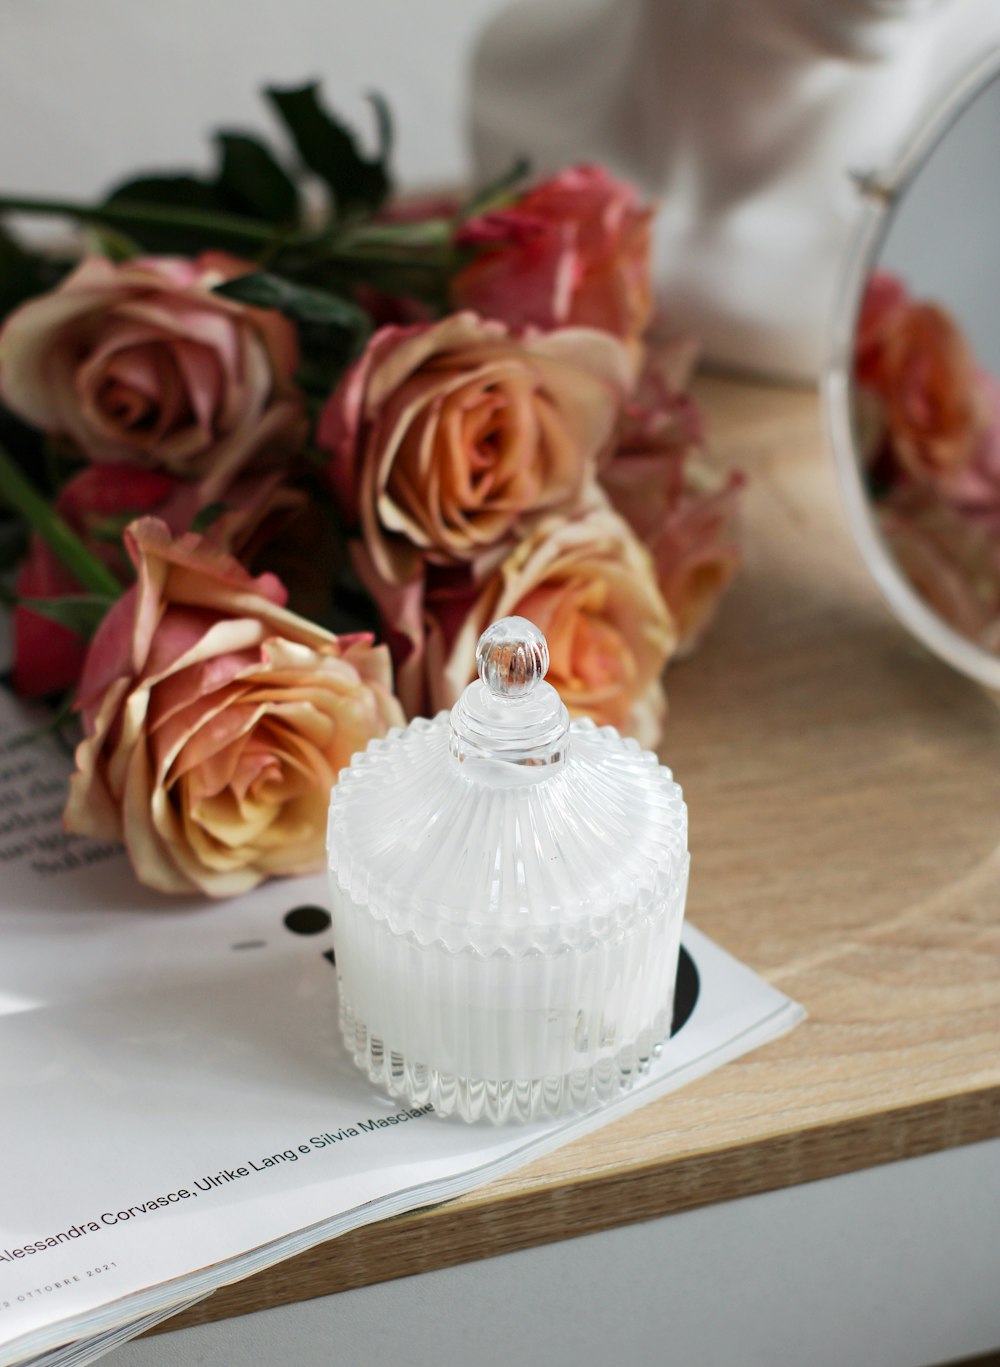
(447, 439)
(683, 511)
(140, 363)
(589, 585)
(576, 249)
(951, 562)
(216, 721)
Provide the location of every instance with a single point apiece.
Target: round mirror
(913, 388)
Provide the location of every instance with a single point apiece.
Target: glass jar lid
(501, 827)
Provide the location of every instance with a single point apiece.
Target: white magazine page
(174, 1092)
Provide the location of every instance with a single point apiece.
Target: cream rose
(216, 721)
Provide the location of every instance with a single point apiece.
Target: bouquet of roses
(929, 419)
(271, 410)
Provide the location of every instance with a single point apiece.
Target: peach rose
(589, 585)
(140, 363)
(915, 358)
(447, 439)
(575, 249)
(953, 564)
(216, 721)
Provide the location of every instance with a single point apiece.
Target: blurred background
(90, 92)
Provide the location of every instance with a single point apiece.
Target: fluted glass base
(499, 1100)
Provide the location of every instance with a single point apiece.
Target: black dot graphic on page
(686, 991)
(308, 920)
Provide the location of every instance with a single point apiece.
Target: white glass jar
(507, 893)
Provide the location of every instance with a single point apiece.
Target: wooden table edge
(486, 1224)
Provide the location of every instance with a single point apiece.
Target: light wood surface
(844, 793)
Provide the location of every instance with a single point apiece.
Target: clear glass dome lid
(502, 826)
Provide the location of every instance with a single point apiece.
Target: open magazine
(177, 1109)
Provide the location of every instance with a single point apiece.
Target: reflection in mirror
(925, 391)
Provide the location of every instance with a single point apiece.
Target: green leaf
(329, 148)
(13, 543)
(391, 241)
(383, 126)
(205, 517)
(332, 329)
(178, 191)
(497, 192)
(110, 529)
(80, 612)
(249, 184)
(20, 273)
(302, 303)
(417, 277)
(318, 377)
(27, 447)
(181, 213)
(253, 181)
(107, 242)
(20, 494)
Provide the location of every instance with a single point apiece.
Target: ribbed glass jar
(507, 892)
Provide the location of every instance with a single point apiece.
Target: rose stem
(22, 495)
(152, 215)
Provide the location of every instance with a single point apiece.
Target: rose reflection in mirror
(914, 385)
(927, 421)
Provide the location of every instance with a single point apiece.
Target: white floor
(897, 1266)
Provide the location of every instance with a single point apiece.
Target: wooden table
(844, 791)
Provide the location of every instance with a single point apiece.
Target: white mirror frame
(881, 192)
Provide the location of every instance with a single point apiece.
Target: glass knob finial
(510, 713)
(512, 657)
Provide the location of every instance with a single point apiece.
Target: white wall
(93, 89)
